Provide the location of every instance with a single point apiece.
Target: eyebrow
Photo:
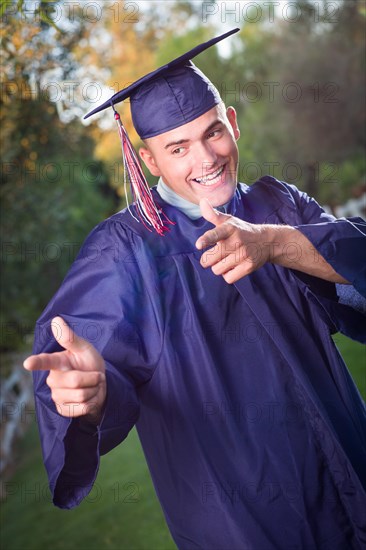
(181, 141)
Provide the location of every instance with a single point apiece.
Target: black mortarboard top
(162, 100)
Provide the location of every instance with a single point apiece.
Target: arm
(241, 248)
(290, 248)
(96, 302)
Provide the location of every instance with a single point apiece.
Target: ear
(231, 115)
(149, 160)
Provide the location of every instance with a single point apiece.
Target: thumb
(83, 356)
(66, 337)
(210, 214)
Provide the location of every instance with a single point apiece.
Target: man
(214, 339)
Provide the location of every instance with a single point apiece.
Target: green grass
(107, 519)
(121, 512)
(354, 355)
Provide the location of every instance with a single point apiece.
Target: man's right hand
(77, 374)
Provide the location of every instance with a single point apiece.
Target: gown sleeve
(104, 300)
(342, 243)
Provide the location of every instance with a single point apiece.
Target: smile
(211, 179)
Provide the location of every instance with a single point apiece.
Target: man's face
(198, 159)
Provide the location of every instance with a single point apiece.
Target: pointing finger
(213, 236)
(48, 361)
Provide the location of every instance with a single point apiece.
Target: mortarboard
(172, 95)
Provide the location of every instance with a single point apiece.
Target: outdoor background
(295, 74)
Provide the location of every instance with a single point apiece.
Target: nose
(205, 156)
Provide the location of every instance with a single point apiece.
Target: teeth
(211, 179)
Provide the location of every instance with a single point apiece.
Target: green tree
(52, 189)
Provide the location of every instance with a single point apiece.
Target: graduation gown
(252, 428)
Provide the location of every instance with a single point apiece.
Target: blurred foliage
(127, 56)
(53, 191)
(50, 201)
(42, 11)
(306, 104)
(298, 89)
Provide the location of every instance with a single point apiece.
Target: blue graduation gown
(252, 428)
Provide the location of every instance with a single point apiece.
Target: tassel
(148, 212)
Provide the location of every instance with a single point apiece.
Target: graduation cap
(172, 95)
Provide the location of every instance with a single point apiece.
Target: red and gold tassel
(148, 212)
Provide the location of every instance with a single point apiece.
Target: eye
(178, 151)
(214, 133)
